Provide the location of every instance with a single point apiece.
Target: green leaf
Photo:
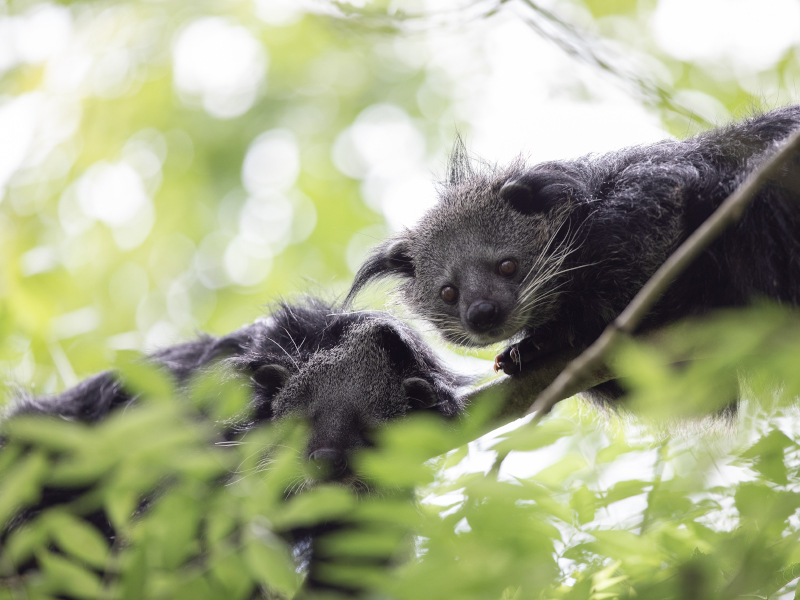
(386, 510)
(455, 457)
(366, 542)
(21, 485)
(583, 503)
(393, 469)
(48, 432)
(630, 549)
(219, 523)
(134, 576)
(612, 451)
(269, 561)
(172, 527)
(152, 382)
(78, 538)
(624, 489)
(566, 467)
(765, 507)
(528, 437)
(24, 540)
(221, 394)
(768, 456)
(430, 437)
(317, 505)
(120, 505)
(65, 577)
(232, 574)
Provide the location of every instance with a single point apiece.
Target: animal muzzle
(328, 464)
(483, 315)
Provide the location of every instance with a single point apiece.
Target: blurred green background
(168, 167)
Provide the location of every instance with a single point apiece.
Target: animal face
(345, 373)
(374, 374)
(489, 260)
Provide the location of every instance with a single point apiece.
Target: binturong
(547, 255)
(345, 372)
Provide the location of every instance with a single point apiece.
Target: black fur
(345, 372)
(588, 233)
(295, 338)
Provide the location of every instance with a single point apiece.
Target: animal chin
(488, 338)
(356, 484)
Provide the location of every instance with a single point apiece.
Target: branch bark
(593, 358)
(517, 393)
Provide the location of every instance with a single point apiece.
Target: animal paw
(509, 361)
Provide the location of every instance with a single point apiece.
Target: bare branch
(517, 393)
(591, 50)
(730, 211)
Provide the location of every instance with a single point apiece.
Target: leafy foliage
(616, 507)
(588, 505)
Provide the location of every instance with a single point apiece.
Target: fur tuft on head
(393, 257)
(459, 164)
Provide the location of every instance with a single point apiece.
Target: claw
(515, 355)
(497, 364)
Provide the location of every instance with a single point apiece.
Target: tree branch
(730, 211)
(517, 393)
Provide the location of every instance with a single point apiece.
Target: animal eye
(449, 294)
(507, 267)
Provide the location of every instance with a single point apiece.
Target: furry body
(584, 235)
(345, 372)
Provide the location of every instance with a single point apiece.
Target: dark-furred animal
(344, 372)
(548, 255)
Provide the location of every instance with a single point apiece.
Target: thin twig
(728, 213)
(583, 46)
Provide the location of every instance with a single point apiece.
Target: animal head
(345, 374)
(488, 260)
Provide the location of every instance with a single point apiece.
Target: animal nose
(482, 315)
(329, 463)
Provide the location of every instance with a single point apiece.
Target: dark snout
(483, 315)
(328, 463)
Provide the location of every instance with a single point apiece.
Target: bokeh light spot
(112, 193)
(272, 162)
(219, 64)
(725, 31)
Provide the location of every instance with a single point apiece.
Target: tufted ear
(269, 380)
(393, 257)
(419, 393)
(539, 191)
(393, 342)
(271, 377)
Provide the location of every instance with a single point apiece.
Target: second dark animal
(346, 373)
(548, 255)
